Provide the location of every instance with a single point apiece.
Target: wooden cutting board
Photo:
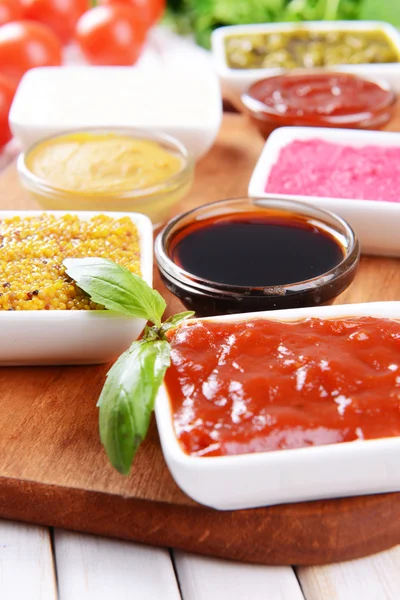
(53, 470)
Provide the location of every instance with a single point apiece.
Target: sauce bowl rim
(191, 282)
(258, 109)
(40, 185)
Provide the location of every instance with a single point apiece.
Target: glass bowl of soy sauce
(251, 254)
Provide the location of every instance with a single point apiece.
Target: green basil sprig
(116, 288)
(129, 393)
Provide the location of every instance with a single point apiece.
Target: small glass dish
(156, 201)
(208, 298)
(319, 98)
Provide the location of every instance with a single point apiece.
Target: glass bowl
(300, 84)
(208, 298)
(157, 201)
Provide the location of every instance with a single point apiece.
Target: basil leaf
(116, 288)
(175, 320)
(128, 398)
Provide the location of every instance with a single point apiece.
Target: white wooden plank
(203, 578)
(26, 563)
(372, 578)
(95, 568)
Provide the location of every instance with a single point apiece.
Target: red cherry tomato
(60, 15)
(157, 10)
(10, 10)
(24, 45)
(152, 9)
(141, 6)
(111, 35)
(7, 90)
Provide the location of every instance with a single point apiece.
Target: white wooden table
(40, 564)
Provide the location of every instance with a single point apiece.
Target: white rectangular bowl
(267, 478)
(236, 81)
(187, 106)
(65, 337)
(376, 223)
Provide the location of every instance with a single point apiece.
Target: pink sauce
(319, 168)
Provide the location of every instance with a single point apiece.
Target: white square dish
(237, 81)
(65, 337)
(186, 106)
(376, 223)
(267, 478)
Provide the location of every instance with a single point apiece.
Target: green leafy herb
(200, 17)
(381, 10)
(128, 397)
(129, 393)
(116, 288)
(174, 321)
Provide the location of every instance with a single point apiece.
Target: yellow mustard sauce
(90, 163)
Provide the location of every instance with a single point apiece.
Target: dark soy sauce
(249, 249)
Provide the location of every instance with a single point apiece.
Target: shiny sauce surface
(261, 385)
(256, 250)
(313, 96)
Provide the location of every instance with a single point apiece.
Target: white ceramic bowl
(266, 478)
(237, 81)
(376, 223)
(65, 337)
(184, 105)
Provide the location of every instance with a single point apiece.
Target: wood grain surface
(53, 470)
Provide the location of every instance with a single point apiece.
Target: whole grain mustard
(32, 249)
(106, 163)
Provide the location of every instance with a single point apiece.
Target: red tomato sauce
(319, 99)
(261, 385)
(321, 94)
